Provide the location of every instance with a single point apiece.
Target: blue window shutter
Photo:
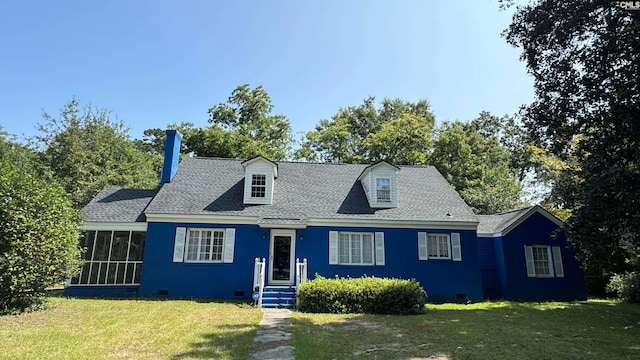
(379, 248)
(178, 245)
(557, 261)
(422, 246)
(333, 247)
(528, 256)
(229, 245)
(456, 250)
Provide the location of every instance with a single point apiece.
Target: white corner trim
(116, 226)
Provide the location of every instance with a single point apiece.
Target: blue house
(228, 228)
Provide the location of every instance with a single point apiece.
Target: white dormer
(259, 176)
(379, 182)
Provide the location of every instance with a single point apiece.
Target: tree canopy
(584, 57)
(477, 166)
(243, 127)
(365, 134)
(87, 151)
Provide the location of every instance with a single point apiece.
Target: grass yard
(130, 329)
(597, 329)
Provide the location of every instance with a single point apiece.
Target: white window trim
(438, 243)
(373, 245)
(551, 273)
(186, 246)
(390, 200)
(266, 182)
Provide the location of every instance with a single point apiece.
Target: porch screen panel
(111, 258)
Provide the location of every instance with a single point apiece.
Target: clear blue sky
(157, 62)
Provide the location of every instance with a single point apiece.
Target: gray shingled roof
(118, 205)
(492, 224)
(205, 186)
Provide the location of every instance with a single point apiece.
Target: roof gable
(264, 160)
(501, 224)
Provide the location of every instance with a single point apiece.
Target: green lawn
(145, 329)
(597, 329)
(130, 329)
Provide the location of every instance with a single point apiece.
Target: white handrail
(301, 272)
(258, 278)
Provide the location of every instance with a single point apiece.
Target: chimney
(171, 156)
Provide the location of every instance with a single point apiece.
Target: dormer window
(258, 185)
(383, 189)
(380, 184)
(260, 175)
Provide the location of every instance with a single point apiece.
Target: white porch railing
(301, 274)
(258, 278)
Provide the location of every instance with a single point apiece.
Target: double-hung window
(204, 245)
(383, 189)
(438, 246)
(258, 185)
(356, 248)
(544, 261)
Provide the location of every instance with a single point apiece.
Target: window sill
(202, 262)
(350, 264)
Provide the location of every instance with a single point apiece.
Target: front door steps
(279, 296)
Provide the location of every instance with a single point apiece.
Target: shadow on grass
(224, 342)
(555, 330)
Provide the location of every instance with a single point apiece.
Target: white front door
(281, 257)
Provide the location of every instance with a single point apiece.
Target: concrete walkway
(273, 340)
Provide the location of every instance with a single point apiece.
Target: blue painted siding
(442, 279)
(538, 230)
(487, 259)
(200, 280)
(501, 274)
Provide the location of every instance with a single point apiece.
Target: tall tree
(477, 166)
(364, 133)
(38, 237)
(584, 57)
(153, 140)
(243, 127)
(19, 154)
(87, 151)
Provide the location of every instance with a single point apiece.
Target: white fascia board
(283, 226)
(375, 223)
(488, 235)
(204, 219)
(525, 216)
(410, 224)
(138, 226)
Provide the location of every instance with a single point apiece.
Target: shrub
(626, 286)
(38, 238)
(369, 295)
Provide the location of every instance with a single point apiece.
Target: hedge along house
(223, 227)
